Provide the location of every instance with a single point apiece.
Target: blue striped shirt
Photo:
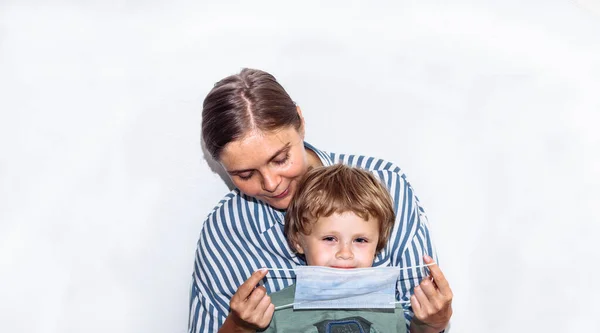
(243, 234)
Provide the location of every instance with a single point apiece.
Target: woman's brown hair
(240, 103)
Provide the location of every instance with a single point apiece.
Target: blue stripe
(243, 248)
(262, 245)
(230, 248)
(214, 325)
(359, 162)
(278, 283)
(203, 322)
(247, 235)
(211, 269)
(369, 161)
(376, 167)
(192, 321)
(398, 245)
(332, 157)
(226, 242)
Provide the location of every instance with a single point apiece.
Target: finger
(422, 299)
(429, 290)
(268, 315)
(248, 286)
(256, 305)
(414, 302)
(256, 297)
(263, 305)
(438, 276)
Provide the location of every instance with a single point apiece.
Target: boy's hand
(251, 307)
(432, 301)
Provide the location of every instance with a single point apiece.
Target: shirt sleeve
(419, 245)
(203, 316)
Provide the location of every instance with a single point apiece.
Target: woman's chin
(279, 204)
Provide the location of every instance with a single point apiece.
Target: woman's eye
(245, 176)
(282, 160)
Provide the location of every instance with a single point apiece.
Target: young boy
(340, 217)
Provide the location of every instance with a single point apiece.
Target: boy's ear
(299, 248)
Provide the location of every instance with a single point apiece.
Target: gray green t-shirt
(333, 321)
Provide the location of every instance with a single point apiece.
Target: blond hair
(338, 189)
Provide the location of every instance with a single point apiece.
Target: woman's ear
(301, 129)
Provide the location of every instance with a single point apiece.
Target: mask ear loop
(281, 270)
(424, 274)
(284, 306)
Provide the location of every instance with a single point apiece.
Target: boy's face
(341, 241)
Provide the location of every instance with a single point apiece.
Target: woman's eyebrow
(274, 156)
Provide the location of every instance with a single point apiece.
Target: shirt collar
(325, 158)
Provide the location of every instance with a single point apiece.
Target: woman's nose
(270, 182)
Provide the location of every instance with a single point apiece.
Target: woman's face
(268, 165)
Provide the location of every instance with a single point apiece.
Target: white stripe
(230, 253)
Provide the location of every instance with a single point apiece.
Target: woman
(254, 129)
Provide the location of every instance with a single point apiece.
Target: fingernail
(427, 257)
(263, 270)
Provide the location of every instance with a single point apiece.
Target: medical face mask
(332, 288)
(320, 287)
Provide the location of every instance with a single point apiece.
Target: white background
(490, 107)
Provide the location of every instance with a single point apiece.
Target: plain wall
(490, 107)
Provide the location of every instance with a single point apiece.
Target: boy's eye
(361, 240)
(329, 239)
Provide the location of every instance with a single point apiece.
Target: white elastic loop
(283, 306)
(400, 302)
(277, 269)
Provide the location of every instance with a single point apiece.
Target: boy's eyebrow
(277, 153)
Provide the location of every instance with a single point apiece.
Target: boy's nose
(345, 253)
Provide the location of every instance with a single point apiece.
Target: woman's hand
(431, 302)
(251, 307)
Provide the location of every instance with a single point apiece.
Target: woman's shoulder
(366, 162)
(234, 207)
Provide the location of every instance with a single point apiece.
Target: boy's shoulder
(284, 296)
